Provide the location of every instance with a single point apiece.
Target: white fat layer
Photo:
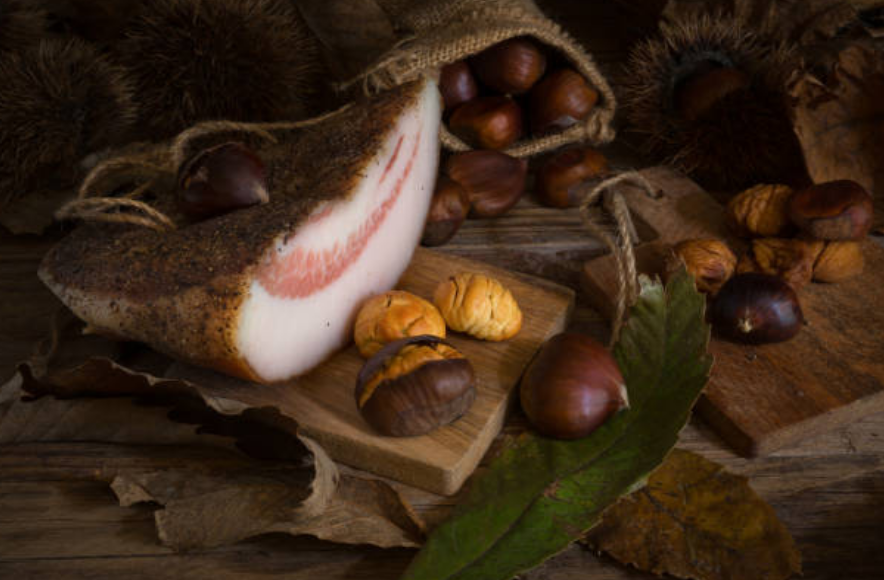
(284, 337)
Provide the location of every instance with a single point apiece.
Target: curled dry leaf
(285, 483)
(839, 123)
(695, 520)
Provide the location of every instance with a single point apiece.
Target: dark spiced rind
(193, 278)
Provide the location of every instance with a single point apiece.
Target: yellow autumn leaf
(696, 520)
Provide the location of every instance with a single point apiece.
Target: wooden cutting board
(762, 398)
(323, 402)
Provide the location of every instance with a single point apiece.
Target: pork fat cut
(268, 292)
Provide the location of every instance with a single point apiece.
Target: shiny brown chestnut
(457, 84)
(414, 385)
(756, 309)
(487, 122)
(560, 100)
(835, 210)
(699, 93)
(563, 180)
(494, 181)
(571, 387)
(221, 179)
(448, 209)
(510, 67)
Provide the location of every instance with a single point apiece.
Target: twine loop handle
(152, 165)
(621, 245)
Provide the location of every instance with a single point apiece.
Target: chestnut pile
(794, 237)
(413, 381)
(491, 101)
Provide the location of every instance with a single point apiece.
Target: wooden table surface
(829, 491)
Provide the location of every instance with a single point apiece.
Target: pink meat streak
(302, 272)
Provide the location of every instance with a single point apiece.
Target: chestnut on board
(414, 385)
(834, 210)
(571, 387)
(756, 309)
(221, 179)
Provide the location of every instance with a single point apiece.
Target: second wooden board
(761, 398)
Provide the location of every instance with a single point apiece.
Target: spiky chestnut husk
(21, 25)
(241, 60)
(98, 21)
(745, 137)
(60, 100)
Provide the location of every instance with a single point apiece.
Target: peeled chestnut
(457, 84)
(835, 210)
(756, 309)
(487, 122)
(701, 91)
(559, 101)
(563, 180)
(414, 385)
(571, 387)
(510, 67)
(494, 181)
(448, 209)
(221, 179)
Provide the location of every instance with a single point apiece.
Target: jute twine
(149, 167)
(622, 243)
(442, 32)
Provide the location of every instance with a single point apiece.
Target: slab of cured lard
(268, 292)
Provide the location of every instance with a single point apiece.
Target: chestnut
(487, 122)
(835, 210)
(457, 84)
(510, 67)
(559, 101)
(221, 179)
(414, 385)
(494, 181)
(697, 95)
(448, 209)
(564, 179)
(571, 387)
(756, 309)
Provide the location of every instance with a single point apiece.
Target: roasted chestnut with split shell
(414, 385)
(571, 387)
(756, 309)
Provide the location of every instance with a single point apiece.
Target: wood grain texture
(827, 489)
(440, 461)
(323, 403)
(762, 398)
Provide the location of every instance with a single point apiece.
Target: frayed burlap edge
(417, 56)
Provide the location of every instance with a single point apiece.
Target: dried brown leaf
(287, 483)
(695, 520)
(839, 123)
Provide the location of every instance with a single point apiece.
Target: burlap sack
(432, 33)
